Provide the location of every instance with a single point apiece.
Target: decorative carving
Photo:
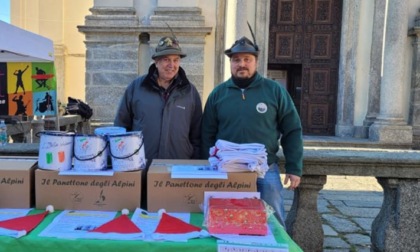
(321, 46)
(322, 11)
(319, 81)
(285, 11)
(317, 116)
(284, 46)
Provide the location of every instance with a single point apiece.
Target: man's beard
(243, 82)
(244, 77)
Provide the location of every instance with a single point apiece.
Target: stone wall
(119, 49)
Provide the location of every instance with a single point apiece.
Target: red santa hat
(171, 225)
(20, 226)
(121, 225)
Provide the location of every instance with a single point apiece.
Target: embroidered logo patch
(261, 107)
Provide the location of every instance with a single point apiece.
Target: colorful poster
(28, 88)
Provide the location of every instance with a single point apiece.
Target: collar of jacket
(256, 82)
(150, 80)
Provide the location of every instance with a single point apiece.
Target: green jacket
(262, 113)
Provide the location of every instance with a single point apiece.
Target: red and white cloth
(21, 226)
(233, 157)
(121, 227)
(168, 228)
(173, 229)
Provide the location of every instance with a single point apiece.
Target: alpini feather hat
(244, 45)
(168, 46)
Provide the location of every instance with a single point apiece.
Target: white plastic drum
(127, 151)
(90, 153)
(55, 150)
(106, 132)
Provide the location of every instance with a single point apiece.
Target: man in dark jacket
(165, 106)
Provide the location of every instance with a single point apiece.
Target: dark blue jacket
(171, 129)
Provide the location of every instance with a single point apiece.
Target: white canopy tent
(18, 45)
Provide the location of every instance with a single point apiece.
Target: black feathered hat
(244, 45)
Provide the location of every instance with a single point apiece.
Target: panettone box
(88, 192)
(17, 182)
(245, 216)
(187, 194)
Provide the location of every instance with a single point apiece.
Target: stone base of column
(361, 132)
(416, 138)
(390, 133)
(343, 130)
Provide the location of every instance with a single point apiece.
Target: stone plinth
(391, 133)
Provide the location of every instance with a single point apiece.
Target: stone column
(60, 72)
(112, 43)
(414, 117)
(390, 126)
(219, 47)
(188, 25)
(397, 226)
(240, 21)
(303, 223)
(347, 68)
(262, 33)
(375, 66)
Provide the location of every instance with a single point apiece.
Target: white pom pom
(160, 212)
(50, 208)
(125, 211)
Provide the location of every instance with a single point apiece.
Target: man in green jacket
(248, 108)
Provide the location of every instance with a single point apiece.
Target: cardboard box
(17, 183)
(88, 192)
(236, 216)
(186, 195)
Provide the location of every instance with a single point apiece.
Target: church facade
(351, 66)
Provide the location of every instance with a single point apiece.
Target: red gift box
(236, 216)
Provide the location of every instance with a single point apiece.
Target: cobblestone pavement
(348, 206)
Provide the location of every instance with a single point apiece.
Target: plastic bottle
(3, 133)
